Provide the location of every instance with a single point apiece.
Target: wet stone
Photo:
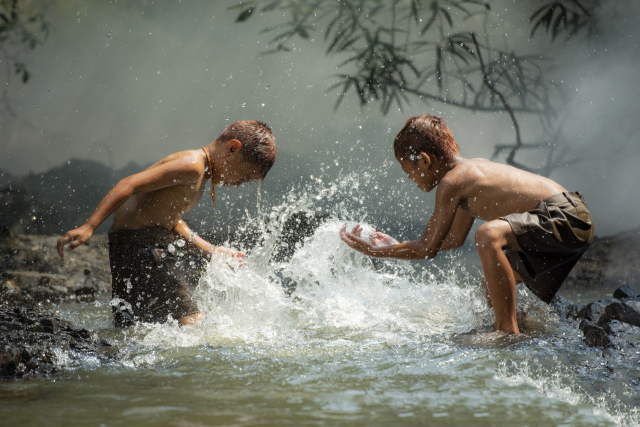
(621, 312)
(594, 335)
(592, 312)
(626, 291)
(565, 308)
(29, 338)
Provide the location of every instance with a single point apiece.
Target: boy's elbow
(429, 255)
(426, 253)
(126, 186)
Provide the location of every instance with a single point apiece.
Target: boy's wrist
(89, 226)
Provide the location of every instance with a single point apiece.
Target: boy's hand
(77, 237)
(354, 240)
(230, 253)
(380, 239)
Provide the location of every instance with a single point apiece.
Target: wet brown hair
(425, 133)
(258, 143)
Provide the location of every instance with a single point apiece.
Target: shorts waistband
(148, 236)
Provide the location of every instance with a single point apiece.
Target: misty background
(117, 86)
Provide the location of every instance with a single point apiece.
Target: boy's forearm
(415, 249)
(194, 242)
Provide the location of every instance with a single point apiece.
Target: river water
(358, 343)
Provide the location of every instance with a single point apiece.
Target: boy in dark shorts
(147, 281)
(535, 231)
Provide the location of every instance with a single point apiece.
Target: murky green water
(358, 343)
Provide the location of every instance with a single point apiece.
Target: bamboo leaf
(246, 14)
(447, 16)
(439, 68)
(429, 23)
(302, 32)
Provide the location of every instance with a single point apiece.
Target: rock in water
(626, 291)
(594, 335)
(30, 339)
(621, 312)
(565, 308)
(592, 312)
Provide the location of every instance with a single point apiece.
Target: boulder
(594, 335)
(621, 312)
(626, 291)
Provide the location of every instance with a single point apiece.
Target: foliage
(435, 50)
(570, 16)
(20, 31)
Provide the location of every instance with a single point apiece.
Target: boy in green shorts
(535, 230)
(147, 281)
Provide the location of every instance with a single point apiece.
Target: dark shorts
(148, 283)
(553, 237)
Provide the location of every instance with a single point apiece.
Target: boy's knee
(490, 234)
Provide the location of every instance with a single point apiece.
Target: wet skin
(160, 196)
(468, 189)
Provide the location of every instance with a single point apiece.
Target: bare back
(181, 178)
(488, 190)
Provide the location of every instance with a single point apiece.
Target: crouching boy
(148, 207)
(535, 232)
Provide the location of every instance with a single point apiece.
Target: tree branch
(485, 79)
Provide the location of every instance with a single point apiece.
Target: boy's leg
(485, 287)
(194, 319)
(491, 239)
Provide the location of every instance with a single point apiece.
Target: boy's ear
(232, 146)
(425, 159)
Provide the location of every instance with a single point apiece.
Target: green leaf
(245, 14)
(556, 25)
(447, 16)
(439, 67)
(302, 32)
(414, 10)
(429, 23)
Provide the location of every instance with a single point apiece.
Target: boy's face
(234, 171)
(419, 172)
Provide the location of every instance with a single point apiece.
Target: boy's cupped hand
(355, 241)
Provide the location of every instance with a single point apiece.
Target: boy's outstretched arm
(172, 173)
(200, 245)
(436, 232)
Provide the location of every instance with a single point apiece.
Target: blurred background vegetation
(93, 91)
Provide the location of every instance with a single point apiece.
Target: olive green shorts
(148, 282)
(553, 237)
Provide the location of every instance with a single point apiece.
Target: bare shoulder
(188, 161)
(463, 175)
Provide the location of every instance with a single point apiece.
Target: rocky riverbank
(32, 341)
(32, 274)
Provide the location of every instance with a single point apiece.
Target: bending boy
(147, 282)
(535, 231)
